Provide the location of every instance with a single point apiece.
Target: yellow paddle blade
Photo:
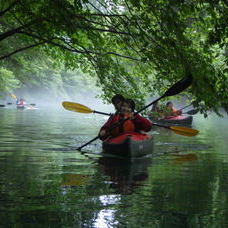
(76, 107)
(186, 131)
(13, 96)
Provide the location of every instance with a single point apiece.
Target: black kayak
(129, 145)
(175, 120)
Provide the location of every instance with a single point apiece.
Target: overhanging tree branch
(91, 21)
(70, 48)
(20, 50)
(18, 29)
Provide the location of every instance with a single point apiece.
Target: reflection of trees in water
(179, 196)
(125, 175)
(173, 195)
(183, 191)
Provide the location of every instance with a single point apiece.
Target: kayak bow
(129, 144)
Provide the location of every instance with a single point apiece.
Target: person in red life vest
(133, 123)
(172, 110)
(117, 101)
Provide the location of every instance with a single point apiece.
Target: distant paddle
(13, 96)
(192, 112)
(175, 89)
(76, 107)
(185, 107)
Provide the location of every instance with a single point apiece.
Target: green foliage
(136, 48)
(8, 82)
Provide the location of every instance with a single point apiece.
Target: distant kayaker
(21, 102)
(155, 107)
(157, 111)
(171, 110)
(135, 122)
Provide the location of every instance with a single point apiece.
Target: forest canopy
(131, 47)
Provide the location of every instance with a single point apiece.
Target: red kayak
(175, 120)
(129, 144)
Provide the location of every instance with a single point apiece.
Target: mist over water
(48, 100)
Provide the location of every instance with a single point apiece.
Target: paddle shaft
(159, 125)
(185, 107)
(80, 148)
(192, 112)
(103, 113)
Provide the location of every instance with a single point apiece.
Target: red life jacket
(127, 126)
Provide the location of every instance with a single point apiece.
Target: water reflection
(106, 217)
(125, 175)
(183, 184)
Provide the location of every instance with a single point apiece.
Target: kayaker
(171, 110)
(156, 112)
(155, 107)
(135, 123)
(21, 102)
(117, 101)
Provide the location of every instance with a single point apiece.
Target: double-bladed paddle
(76, 107)
(175, 89)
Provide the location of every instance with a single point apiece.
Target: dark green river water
(44, 183)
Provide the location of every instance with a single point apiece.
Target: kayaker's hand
(102, 133)
(179, 112)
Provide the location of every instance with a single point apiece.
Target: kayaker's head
(117, 101)
(131, 104)
(169, 104)
(128, 106)
(155, 107)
